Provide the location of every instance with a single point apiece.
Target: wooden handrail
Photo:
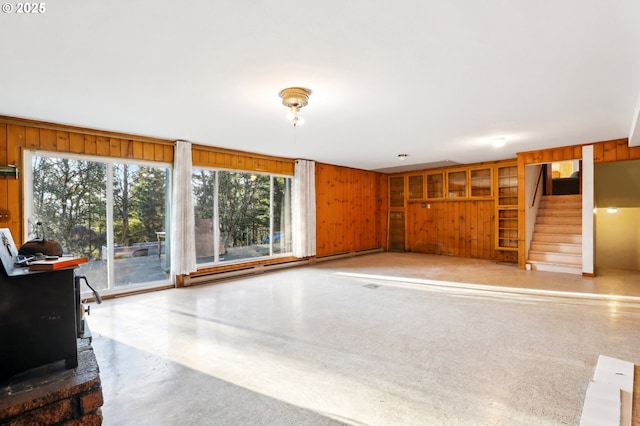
(535, 194)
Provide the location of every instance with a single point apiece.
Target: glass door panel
(416, 187)
(139, 224)
(69, 199)
(243, 204)
(481, 183)
(204, 184)
(435, 185)
(457, 184)
(396, 191)
(281, 238)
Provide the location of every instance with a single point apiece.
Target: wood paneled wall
(615, 150)
(347, 205)
(17, 135)
(205, 156)
(351, 204)
(382, 195)
(603, 152)
(457, 228)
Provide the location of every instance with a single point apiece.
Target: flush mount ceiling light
(498, 142)
(402, 157)
(295, 98)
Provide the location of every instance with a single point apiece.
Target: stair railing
(535, 194)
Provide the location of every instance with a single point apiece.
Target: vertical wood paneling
(103, 147)
(62, 143)
(488, 224)
(136, 149)
(90, 145)
(577, 151)
(598, 153)
(568, 153)
(76, 141)
(352, 205)
(203, 157)
(474, 224)
(457, 228)
(213, 158)
(16, 140)
(168, 153)
(49, 139)
(382, 209)
(610, 151)
(32, 138)
(126, 148)
(15, 137)
(148, 151)
(605, 151)
(114, 147)
(346, 209)
(158, 152)
(622, 150)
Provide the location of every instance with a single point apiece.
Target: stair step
(557, 238)
(562, 258)
(572, 212)
(555, 267)
(558, 229)
(559, 220)
(567, 205)
(550, 247)
(575, 198)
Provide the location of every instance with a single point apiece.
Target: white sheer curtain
(183, 248)
(304, 209)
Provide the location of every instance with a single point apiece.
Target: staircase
(557, 237)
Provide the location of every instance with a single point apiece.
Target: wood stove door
(37, 320)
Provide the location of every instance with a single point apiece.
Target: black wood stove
(40, 314)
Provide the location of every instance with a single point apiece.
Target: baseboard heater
(348, 254)
(190, 280)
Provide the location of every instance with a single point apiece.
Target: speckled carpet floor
(382, 339)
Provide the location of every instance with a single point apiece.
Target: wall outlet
(5, 215)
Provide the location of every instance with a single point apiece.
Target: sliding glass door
(112, 212)
(241, 216)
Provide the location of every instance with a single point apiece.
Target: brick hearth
(53, 395)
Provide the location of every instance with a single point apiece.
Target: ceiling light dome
(499, 142)
(295, 98)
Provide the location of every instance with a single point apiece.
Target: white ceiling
(435, 79)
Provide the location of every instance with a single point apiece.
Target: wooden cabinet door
(396, 231)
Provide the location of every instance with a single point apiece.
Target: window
(113, 212)
(240, 215)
